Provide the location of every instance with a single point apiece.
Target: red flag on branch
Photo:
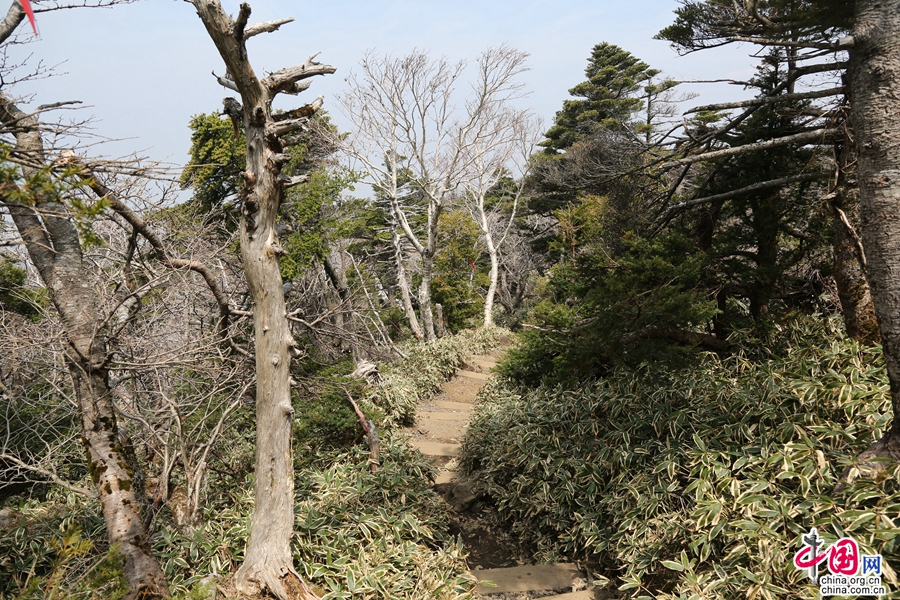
(30, 13)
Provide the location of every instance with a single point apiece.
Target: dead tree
(499, 148)
(410, 137)
(268, 564)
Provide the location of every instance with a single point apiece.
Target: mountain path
(441, 424)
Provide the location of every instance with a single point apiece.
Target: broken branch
(284, 79)
(266, 27)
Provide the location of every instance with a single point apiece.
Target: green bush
(596, 313)
(14, 296)
(696, 483)
(324, 416)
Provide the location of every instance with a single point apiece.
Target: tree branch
(266, 27)
(225, 82)
(807, 137)
(680, 336)
(774, 183)
(284, 79)
(241, 23)
(11, 21)
(767, 100)
(141, 227)
(844, 43)
(49, 475)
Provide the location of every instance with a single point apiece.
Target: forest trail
(494, 558)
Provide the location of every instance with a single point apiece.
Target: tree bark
(849, 256)
(402, 281)
(493, 276)
(875, 80)
(425, 295)
(51, 239)
(268, 562)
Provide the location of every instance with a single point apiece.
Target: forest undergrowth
(667, 482)
(359, 534)
(697, 482)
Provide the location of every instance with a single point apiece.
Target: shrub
(324, 417)
(696, 483)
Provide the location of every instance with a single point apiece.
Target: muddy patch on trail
(487, 541)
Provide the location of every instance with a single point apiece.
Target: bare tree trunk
(494, 276)
(875, 80)
(51, 239)
(849, 256)
(403, 282)
(338, 279)
(425, 296)
(268, 562)
(439, 327)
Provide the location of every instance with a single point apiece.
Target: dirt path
(493, 555)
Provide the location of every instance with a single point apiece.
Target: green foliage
(425, 369)
(324, 416)
(607, 99)
(710, 23)
(696, 483)
(456, 285)
(315, 213)
(14, 296)
(381, 534)
(56, 549)
(217, 158)
(597, 310)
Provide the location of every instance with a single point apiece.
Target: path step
(466, 406)
(444, 477)
(529, 578)
(444, 416)
(473, 375)
(436, 448)
(485, 364)
(582, 595)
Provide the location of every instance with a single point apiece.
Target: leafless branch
(767, 100)
(765, 185)
(807, 137)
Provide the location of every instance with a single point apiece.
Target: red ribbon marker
(26, 4)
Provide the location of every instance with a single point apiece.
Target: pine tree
(609, 97)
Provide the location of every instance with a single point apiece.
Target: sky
(143, 69)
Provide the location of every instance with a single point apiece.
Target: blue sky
(144, 68)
